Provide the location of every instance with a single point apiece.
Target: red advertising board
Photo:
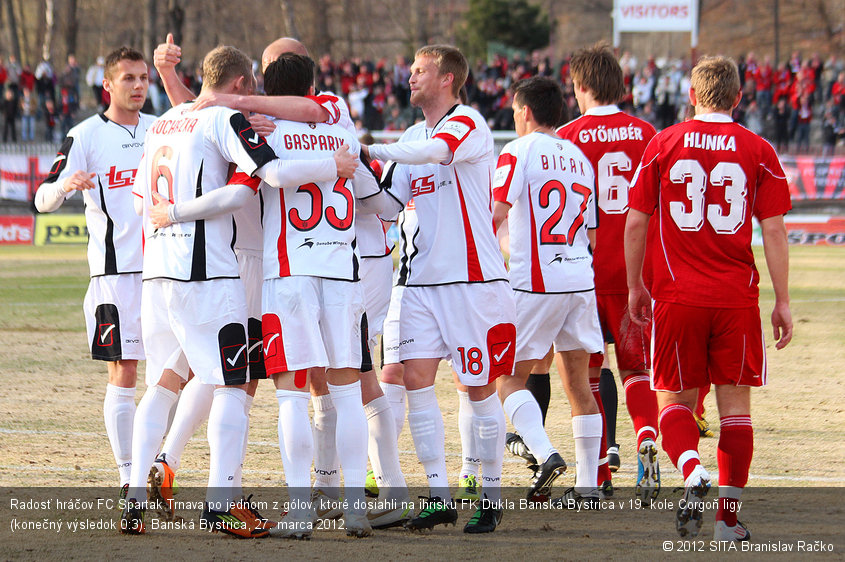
(16, 229)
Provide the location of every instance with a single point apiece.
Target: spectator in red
(764, 80)
(837, 91)
(27, 78)
(802, 130)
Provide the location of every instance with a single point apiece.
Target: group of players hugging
(227, 246)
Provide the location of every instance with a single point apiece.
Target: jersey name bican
(549, 184)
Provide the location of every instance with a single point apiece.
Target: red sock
(604, 467)
(736, 447)
(699, 406)
(642, 406)
(680, 437)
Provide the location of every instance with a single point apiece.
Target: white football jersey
(549, 184)
(369, 229)
(310, 230)
(99, 145)
(455, 242)
(187, 154)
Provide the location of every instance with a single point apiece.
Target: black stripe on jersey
(255, 145)
(198, 269)
(261, 207)
(405, 264)
(110, 266)
(234, 233)
(60, 162)
(387, 183)
(355, 263)
(556, 292)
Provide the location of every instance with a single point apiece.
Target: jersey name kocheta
(549, 184)
(187, 154)
(310, 230)
(614, 142)
(99, 145)
(455, 242)
(703, 180)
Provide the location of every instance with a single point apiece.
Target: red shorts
(631, 342)
(695, 346)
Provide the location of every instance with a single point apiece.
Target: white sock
(237, 485)
(326, 464)
(351, 442)
(395, 394)
(147, 433)
(587, 433)
(227, 425)
(470, 462)
(489, 424)
(296, 443)
(192, 410)
(119, 415)
(383, 451)
(525, 415)
(426, 423)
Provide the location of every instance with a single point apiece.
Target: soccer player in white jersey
(544, 186)
(614, 142)
(189, 264)
(701, 182)
(457, 303)
(99, 157)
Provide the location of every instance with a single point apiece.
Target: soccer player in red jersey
(703, 180)
(614, 142)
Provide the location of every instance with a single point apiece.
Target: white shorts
(197, 323)
(112, 308)
(311, 322)
(471, 324)
(251, 270)
(376, 281)
(390, 339)
(570, 321)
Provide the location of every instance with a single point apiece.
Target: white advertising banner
(655, 15)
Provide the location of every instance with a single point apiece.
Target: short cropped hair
(716, 83)
(223, 64)
(289, 75)
(597, 70)
(449, 60)
(543, 96)
(114, 57)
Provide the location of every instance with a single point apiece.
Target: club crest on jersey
(251, 138)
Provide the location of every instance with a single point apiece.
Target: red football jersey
(614, 142)
(702, 180)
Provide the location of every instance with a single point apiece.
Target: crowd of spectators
(799, 100)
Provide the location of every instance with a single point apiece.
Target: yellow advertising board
(60, 229)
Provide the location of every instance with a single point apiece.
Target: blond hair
(448, 60)
(223, 64)
(716, 83)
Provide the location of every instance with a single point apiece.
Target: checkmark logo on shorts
(234, 359)
(251, 349)
(105, 333)
(497, 357)
(269, 343)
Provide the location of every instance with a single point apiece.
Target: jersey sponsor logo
(421, 186)
(557, 259)
(309, 243)
(120, 178)
(132, 145)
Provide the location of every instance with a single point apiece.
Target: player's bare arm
(776, 249)
(500, 214)
(165, 58)
(639, 301)
(50, 196)
(292, 108)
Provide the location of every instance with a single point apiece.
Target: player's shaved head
(279, 46)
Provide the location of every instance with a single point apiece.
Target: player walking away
(99, 157)
(544, 187)
(188, 264)
(457, 266)
(614, 142)
(703, 180)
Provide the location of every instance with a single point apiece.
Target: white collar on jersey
(603, 110)
(714, 118)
